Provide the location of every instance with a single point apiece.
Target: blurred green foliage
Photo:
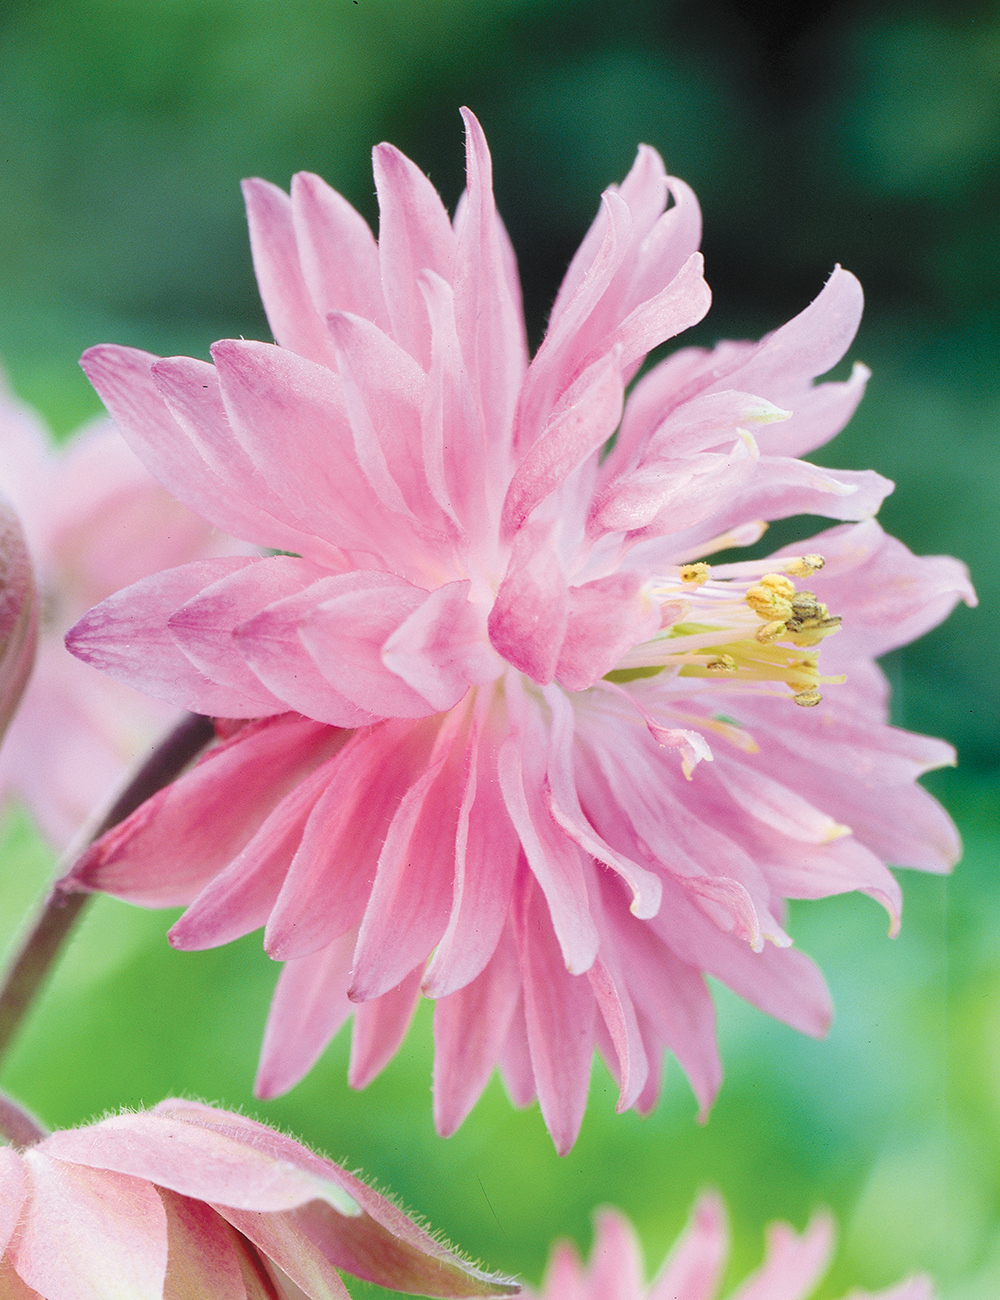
(866, 133)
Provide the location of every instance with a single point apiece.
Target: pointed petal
(309, 1006)
(379, 1028)
(793, 1265)
(616, 1266)
(337, 250)
(290, 309)
(693, 1270)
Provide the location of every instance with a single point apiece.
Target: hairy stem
(30, 967)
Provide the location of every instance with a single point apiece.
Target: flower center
(748, 629)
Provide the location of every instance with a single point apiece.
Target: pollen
(722, 664)
(694, 575)
(771, 598)
(804, 566)
(808, 698)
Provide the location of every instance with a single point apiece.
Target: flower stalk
(40, 949)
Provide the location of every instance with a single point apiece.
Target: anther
(694, 574)
(807, 699)
(722, 664)
(768, 632)
(804, 566)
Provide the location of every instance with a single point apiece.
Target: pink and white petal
(819, 412)
(674, 236)
(271, 645)
(793, 1265)
(125, 383)
(559, 1012)
(678, 306)
(408, 908)
(337, 251)
(888, 595)
(330, 878)
(344, 635)
(615, 1005)
(193, 396)
(606, 618)
(310, 1004)
(203, 1252)
(783, 982)
(242, 896)
(616, 1264)
(384, 393)
(442, 649)
(13, 1190)
(168, 850)
(487, 310)
(379, 1028)
(414, 235)
(290, 309)
(111, 1238)
(693, 1269)
(470, 1027)
(527, 624)
(487, 850)
(582, 422)
(776, 804)
(555, 860)
(204, 626)
(291, 417)
(515, 1061)
(281, 1238)
(128, 637)
(561, 357)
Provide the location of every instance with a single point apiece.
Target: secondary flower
(498, 710)
(793, 1265)
(185, 1200)
(18, 614)
(95, 521)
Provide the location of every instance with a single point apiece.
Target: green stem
(29, 970)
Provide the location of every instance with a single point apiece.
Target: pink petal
(87, 1234)
(414, 235)
(515, 1062)
(204, 626)
(606, 618)
(241, 897)
(290, 309)
(330, 878)
(203, 1255)
(487, 305)
(470, 1026)
(694, 1268)
(13, 1190)
(193, 396)
(442, 648)
(212, 811)
(284, 1239)
(487, 850)
(527, 623)
(128, 636)
(124, 380)
(337, 251)
(309, 1005)
(379, 1028)
(346, 631)
(615, 1005)
(584, 419)
(559, 1014)
(793, 1265)
(616, 1265)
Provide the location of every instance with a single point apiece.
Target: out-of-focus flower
(18, 614)
(793, 1265)
(497, 707)
(95, 521)
(186, 1201)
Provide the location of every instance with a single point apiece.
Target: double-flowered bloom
(694, 1269)
(186, 1201)
(497, 730)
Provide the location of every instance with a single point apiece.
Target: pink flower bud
(18, 614)
(186, 1200)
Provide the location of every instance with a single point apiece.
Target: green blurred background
(865, 133)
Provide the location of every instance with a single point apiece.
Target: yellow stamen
(694, 574)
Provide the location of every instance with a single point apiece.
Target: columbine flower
(95, 521)
(793, 1264)
(185, 1200)
(482, 695)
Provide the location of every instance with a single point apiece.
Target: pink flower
(185, 1200)
(496, 716)
(95, 521)
(792, 1267)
